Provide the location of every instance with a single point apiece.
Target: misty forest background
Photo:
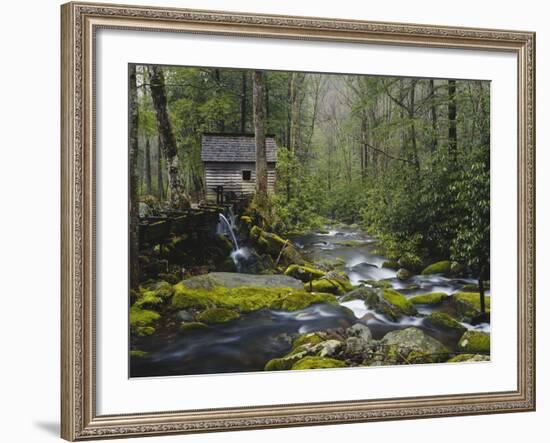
(407, 159)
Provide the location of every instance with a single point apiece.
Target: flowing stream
(247, 343)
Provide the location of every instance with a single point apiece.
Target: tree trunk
(167, 139)
(147, 167)
(433, 114)
(452, 119)
(481, 295)
(243, 102)
(412, 127)
(134, 203)
(160, 181)
(296, 83)
(259, 136)
(364, 150)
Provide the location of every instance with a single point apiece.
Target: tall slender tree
(134, 179)
(259, 137)
(167, 138)
(147, 167)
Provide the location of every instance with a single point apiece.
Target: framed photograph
(283, 221)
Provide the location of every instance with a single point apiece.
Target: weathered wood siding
(229, 175)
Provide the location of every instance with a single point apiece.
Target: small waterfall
(229, 227)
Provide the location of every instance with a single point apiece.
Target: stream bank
(339, 305)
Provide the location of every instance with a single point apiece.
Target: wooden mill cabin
(230, 161)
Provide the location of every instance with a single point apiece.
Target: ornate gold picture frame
(80, 22)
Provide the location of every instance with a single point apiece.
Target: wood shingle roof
(234, 148)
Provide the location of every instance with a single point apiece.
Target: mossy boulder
(475, 342)
(246, 219)
(399, 301)
(361, 293)
(312, 338)
(412, 346)
(295, 301)
(304, 273)
(325, 285)
(276, 246)
(440, 267)
(217, 315)
(468, 304)
(143, 321)
(460, 358)
(442, 321)
(433, 298)
(403, 274)
(389, 303)
(378, 283)
(312, 362)
(246, 299)
(191, 326)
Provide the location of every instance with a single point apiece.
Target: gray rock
(186, 316)
(237, 280)
(327, 348)
(360, 331)
(410, 346)
(404, 274)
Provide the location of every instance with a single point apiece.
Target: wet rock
(433, 298)
(404, 274)
(318, 363)
(304, 273)
(185, 315)
(412, 346)
(468, 357)
(360, 331)
(328, 348)
(236, 280)
(444, 322)
(361, 293)
(440, 267)
(468, 304)
(475, 342)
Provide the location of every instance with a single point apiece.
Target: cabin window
(247, 175)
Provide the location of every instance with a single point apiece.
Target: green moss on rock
(300, 300)
(475, 342)
(398, 300)
(317, 363)
(304, 273)
(468, 304)
(313, 338)
(440, 267)
(440, 320)
(460, 358)
(136, 353)
(432, 298)
(142, 320)
(217, 315)
(192, 325)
